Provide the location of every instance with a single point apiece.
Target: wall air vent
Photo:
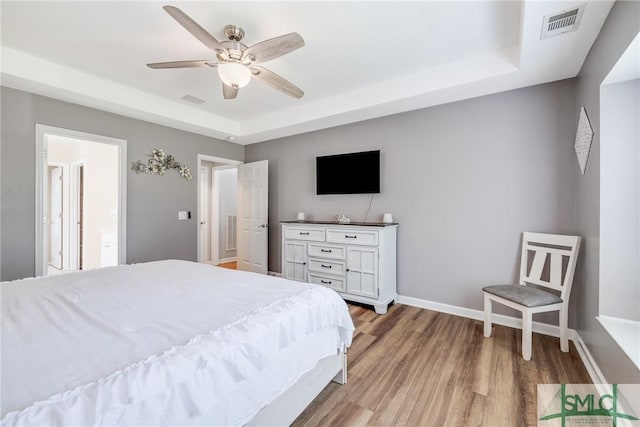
(561, 22)
(193, 99)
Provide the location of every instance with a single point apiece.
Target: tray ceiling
(361, 60)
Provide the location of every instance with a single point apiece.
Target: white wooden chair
(548, 261)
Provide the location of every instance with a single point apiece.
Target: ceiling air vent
(561, 22)
(193, 99)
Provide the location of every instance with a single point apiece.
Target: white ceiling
(361, 59)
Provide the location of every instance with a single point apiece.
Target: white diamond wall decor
(584, 136)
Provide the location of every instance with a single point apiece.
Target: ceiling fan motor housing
(234, 32)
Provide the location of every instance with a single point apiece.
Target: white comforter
(165, 342)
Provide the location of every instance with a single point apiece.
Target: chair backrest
(549, 260)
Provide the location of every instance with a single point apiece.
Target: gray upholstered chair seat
(523, 295)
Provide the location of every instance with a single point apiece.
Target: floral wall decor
(159, 163)
(584, 136)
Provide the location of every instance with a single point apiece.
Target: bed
(167, 343)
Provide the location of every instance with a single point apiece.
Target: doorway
(217, 190)
(250, 221)
(80, 201)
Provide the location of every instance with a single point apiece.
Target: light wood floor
(231, 265)
(415, 367)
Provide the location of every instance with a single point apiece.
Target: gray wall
(464, 180)
(620, 200)
(153, 231)
(621, 26)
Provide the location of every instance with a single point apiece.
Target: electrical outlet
(182, 215)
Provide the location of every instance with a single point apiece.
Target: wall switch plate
(182, 215)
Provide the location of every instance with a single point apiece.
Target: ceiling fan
(235, 61)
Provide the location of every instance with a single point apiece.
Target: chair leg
(564, 332)
(487, 316)
(527, 321)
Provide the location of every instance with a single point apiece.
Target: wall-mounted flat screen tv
(352, 173)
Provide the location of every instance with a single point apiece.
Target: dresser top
(358, 224)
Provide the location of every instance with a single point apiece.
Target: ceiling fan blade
(273, 48)
(194, 28)
(275, 81)
(182, 64)
(229, 92)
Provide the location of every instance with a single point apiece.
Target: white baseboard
(597, 377)
(500, 319)
(513, 322)
(274, 273)
(230, 259)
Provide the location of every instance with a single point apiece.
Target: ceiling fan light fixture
(234, 74)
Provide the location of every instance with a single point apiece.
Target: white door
(55, 215)
(205, 254)
(252, 219)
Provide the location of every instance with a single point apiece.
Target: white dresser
(357, 260)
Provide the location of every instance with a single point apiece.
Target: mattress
(159, 343)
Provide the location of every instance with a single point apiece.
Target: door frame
(74, 214)
(42, 181)
(214, 159)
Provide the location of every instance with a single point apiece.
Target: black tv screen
(352, 173)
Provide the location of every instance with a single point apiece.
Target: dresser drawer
(336, 283)
(356, 237)
(326, 266)
(304, 233)
(327, 251)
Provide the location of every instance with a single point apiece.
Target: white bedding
(160, 343)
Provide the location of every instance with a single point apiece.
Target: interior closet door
(253, 216)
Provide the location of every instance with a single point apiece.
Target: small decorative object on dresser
(342, 219)
(357, 260)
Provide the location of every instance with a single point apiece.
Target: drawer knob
(326, 282)
(325, 250)
(346, 236)
(304, 234)
(325, 266)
